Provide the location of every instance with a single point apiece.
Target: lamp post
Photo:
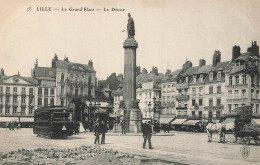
(154, 110)
(149, 108)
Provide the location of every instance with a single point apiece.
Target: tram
(54, 121)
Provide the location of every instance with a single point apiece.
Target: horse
(227, 127)
(221, 128)
(218, 128)
(212, 128)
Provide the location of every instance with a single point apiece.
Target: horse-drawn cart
(248, 132)
(246, 128)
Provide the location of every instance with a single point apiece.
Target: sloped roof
(150, 77)
(246, 56)
(221, 65)
(69, 65)
(204, 69)
(45, 72)
(172, 76)
(191, 70)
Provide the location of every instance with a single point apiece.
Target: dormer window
(211, 76)
(194, 78)
(219, 75)
(201, 78)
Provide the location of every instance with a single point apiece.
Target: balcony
(237, 100)
(15, 104)
(214, 107)
(23, 105)
(182, 98)
(181, 108)
(172, 104)
(182, 116)
(239, 86)
(7, 105)
(182, 86)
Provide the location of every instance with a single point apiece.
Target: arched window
(61, 101)
(81, 91)
(62, 90)
(76, 79)
(89, 80)
(76, 91)
(62, 77)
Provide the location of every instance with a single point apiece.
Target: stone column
(132, 115)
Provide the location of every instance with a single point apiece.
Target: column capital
(130, 42)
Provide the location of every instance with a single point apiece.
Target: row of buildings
(199, 92)
(204, 91)
(47, 86)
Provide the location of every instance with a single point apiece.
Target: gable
(16, 80)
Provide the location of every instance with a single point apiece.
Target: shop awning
(165, 120)
(178, 121)
(191, 122)
(112, 115)
(256, 121)
(9, 119)
(26, 119)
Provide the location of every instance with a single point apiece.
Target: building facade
(17, 95)
(63, 81)
(242, 79)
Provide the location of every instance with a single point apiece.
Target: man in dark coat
(123, 126)
(97, 130)
(103, 131)
(147, 134)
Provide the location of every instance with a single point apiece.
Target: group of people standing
(100, 128)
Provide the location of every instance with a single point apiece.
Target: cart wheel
(246, 140)
(256, 140)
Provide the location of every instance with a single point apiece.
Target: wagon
(247, 125)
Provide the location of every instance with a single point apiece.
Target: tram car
(246, 125)
(53, 121)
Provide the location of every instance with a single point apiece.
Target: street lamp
(154, 111)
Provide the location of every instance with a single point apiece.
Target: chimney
(66, 59)
(254, 48)
(186, 65)
(2, 72)
(168, 71)
(144, 71)
(202, 62)
(235, 52)
(154, 70)
(216, 58)
(90, 63)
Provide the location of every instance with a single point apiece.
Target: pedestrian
(76, 127)
(147, 134)
(104, 129)
(123, 127)
(97, 132)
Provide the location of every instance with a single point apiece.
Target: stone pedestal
(135, 121)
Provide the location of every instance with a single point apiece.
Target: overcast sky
(168, 32)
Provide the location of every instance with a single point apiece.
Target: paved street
(179, 147)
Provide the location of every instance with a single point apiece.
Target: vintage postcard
(129, 82)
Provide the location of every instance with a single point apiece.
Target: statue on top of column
(130, 27)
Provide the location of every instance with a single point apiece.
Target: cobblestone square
(174, 147)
